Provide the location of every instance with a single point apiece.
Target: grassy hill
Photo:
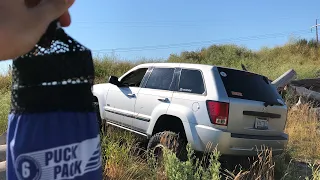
(301, 55)
(302, 127)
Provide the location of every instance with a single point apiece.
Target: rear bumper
(242, 145)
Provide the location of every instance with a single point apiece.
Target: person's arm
(23, 22)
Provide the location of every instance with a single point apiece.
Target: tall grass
(5, 83)
(126, 160)
(193, 169)
(122, 157)
(304, 129)
(271, 62)
(107, 66)
(4, 110)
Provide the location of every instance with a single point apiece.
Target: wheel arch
(100, 92)
(179, 113)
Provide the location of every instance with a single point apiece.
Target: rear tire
(169, 140)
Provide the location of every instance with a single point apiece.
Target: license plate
(261, 124)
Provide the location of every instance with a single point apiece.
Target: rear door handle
(131, 95)
(163, 99)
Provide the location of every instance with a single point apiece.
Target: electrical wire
(190, 44)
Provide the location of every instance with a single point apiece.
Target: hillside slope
(301, 55)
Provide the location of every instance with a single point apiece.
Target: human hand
(23, 22)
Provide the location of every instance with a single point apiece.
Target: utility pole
(113, 53)
(317, 31)
(316, 26)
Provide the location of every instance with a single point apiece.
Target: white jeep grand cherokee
(236, 111)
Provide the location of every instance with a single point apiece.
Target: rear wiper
(265, 79)
(267, 104)
(271, 104)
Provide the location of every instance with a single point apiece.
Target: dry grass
(123, 158)
(4, 110)
(5, 83)
(262, 168)
(123, 161)
(303, 128)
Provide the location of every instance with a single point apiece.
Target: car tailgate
(255, 107)
(253, 118)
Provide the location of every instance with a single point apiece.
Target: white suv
(235, 110)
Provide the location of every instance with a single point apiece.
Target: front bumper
(234, 144)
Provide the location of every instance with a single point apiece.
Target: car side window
(134, 78)
(160, 78)
(191, 81)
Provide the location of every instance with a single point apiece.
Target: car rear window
(250, 86)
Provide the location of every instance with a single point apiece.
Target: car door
(121, 100)
(154, 93)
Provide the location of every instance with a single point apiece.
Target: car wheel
(169, 140)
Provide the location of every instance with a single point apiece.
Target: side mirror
(114, 80)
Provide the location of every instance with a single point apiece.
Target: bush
(192, 169)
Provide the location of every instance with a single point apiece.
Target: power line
(154, 21)
(148, 26)
(189, 44)
(317, 35)
(158, 24)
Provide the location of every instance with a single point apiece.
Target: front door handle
(163, 99)
(131, 95)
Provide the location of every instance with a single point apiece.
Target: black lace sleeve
(56, 75)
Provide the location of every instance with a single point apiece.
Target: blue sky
(127, 25)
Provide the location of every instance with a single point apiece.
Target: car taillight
(218, 112)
